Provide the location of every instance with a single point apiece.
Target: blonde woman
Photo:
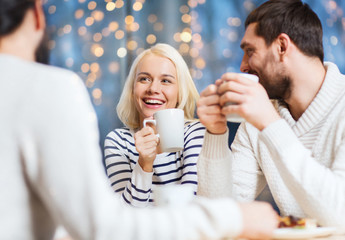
(158, 79)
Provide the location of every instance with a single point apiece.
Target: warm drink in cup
(170, 128)
(233, 117)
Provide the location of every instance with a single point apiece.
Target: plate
(295, 233)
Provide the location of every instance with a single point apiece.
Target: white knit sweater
(302, 162)
(51, 169)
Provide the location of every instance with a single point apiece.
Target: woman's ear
(39, 15)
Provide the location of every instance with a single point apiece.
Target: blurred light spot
(196, 37)
(67, 29)
(137, 6)
(122, 52)
(201, 1)
(129, 19)
(69, 62)
(158, 27)
(236, 22)
(98, 15)
(233, 36)
(177, 37)
(132, 45)
(110, 6)
(92, 77)
(105, 32)
(97, 95)
(186, 18)
(186, 37)
(332, 5)
(119, 34)
(119, 3)
(85, 67)
(52, 9)
(133, 27)
(249, 6)
(79, 14)
(113, 26)
(97, 37)
(89, 21)
(184, 48)
(151, 39)
(94, 67)
(192, 3)
(114, 67)
(194, 52)
(82, 31)
(334, 40)
(92, 5)
(184, 9)
(227, 53)
(97, 50)
(82, 1)
(152, 18)
(200, 63)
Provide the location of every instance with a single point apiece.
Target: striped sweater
(134, 184)
(302, 162)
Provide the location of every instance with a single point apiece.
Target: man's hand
(252, 102)
(209, 111)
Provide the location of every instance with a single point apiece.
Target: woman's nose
(155, 86)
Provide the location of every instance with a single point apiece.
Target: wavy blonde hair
(187, 92)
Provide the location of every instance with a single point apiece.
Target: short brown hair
(292, 17)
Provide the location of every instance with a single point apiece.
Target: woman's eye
(144, 79)
(166, 81)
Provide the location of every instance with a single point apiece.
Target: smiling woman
(159, 79)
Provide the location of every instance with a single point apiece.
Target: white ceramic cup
(233, 117)
(173, 195)
(170, 128)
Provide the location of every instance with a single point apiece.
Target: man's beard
(42, 51)
(277, 87)
(277, 84)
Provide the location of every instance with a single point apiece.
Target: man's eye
(249, 51)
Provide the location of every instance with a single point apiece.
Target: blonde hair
(187, 92)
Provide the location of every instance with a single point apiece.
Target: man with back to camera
(296, 145)
(51, 172)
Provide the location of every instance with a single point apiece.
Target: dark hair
(292, 17)
(12, 13)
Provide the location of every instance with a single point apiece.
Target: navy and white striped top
(135, 185)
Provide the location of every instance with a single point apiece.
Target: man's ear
(39, 15)
(283, 44)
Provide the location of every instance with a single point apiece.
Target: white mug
(173, 195)
(233, 117)
(170, 127)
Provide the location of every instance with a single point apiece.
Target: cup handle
(150, 121)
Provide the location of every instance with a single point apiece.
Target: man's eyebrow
(244, 44)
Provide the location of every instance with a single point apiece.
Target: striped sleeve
(193, 140)
(126, 177)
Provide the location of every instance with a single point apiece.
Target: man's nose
(244, 65)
